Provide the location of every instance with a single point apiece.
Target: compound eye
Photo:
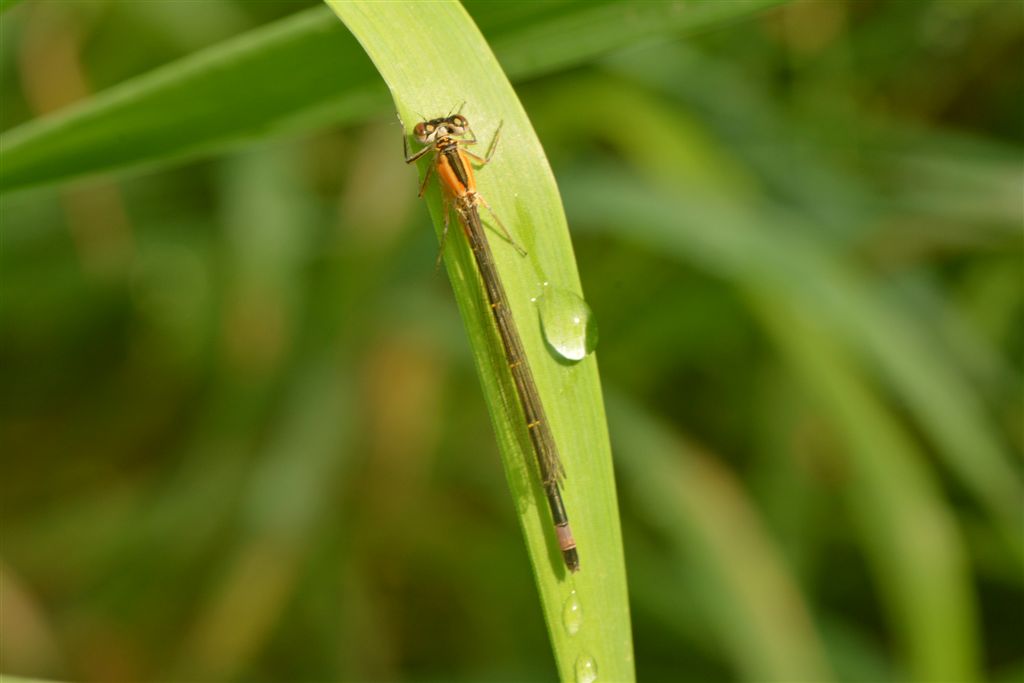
(459, 121)
(425, 131)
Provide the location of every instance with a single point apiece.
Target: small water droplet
(572, 614)
(586, 669)
(568, 324)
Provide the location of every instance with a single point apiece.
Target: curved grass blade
(708, 523)
(433, 59)
(907, 531)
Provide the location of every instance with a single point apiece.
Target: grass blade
(254, 86)
(433, 58)
(708, 522)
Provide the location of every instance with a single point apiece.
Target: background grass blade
(254, 86)
(533, 48)
(783, 261)
(433, 59)
(914, 545)
(897, 497)
(310, 73)
(707, 521)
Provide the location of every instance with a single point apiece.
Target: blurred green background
(242, 438)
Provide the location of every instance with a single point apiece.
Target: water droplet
(568, 324)
(572, 614)
(586, 669)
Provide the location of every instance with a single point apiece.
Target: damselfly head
(428, 132)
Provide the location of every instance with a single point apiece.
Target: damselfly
(446, 139)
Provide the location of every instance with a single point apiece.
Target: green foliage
(243, 435)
